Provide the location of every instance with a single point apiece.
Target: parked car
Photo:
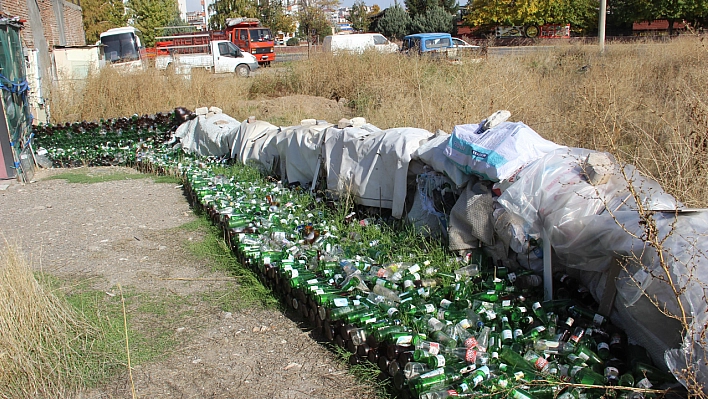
(421, 43)
(357, 43)
(459, 43)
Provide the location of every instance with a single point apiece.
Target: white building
(182, 4)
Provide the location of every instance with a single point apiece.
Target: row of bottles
(455, 327)
(436, 330)
(102, 143)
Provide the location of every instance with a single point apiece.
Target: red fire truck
(249, 35)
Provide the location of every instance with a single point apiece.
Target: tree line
(413, 16)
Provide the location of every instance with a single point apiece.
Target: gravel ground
(124, 232)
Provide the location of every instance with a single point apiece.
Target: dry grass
(647, 100)
(39, 334)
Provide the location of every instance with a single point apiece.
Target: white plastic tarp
(255, 143)
(432, 153)
(372, 165)
(588, 225)
(208, 136)
(299, 150)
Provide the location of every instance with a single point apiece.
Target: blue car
(421, 43)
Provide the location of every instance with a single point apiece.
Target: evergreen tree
(394, 23)
(435, 19)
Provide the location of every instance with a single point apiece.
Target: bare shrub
(40, 334)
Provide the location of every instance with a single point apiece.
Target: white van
(358, 42)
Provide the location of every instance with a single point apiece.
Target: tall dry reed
(649, 100)
(40, 333)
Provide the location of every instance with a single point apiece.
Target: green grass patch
(152, 319)
(249, 292)
(91, 176)
(366, 373)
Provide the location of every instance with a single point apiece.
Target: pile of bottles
(102, 143)
(435, 328)
(460, 328)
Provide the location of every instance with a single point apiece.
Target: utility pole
(601, 25)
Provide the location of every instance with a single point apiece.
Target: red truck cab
(250, 36)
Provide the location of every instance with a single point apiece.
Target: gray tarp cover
(208, 136)
(372, 166)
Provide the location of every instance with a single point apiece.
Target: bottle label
(295, 273)
(452, 392)
(441, 313)
(440, 360)
(522, 309)
(491, 315)
(404, 340)
(464, 324)
(598, 319)
(518, 333)
(511, 277)
(414, 269)
(507, 335)
(429, 308)
(471, 355)
(541, 363)
(371, 320)
(603, 345)
(584, 356)
(445, 303)
(391, 311)
(616, 339)
(356, 302)
(434, 373)
(319, 291)
(312, 281)
(506, 303)
(471, 342)
(408, 283)
(536, 306)
(464, 387)
(434, 348)
(339, 302)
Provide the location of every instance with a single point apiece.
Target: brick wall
(73, 25)
(18, 8)
(73, 21)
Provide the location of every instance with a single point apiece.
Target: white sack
(498, 153)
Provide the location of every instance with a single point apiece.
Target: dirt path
(125, 232)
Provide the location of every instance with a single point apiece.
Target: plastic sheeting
(497, 153)
(299, 150)
(256, 144)
(589, 225)
(372, 165)
(432, 153)
(210, 136)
